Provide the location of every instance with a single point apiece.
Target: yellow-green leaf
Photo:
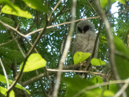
(94, 92)
(3, 80)
(103, 2)
(96, 79)
(4, 92)
(97, 92)
(35, 61)
(80, 57)
(21, 87)
(9, 3)
(97, 62)
(108, 93)
(18, 12)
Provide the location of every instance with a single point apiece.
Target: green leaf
(108, 93)
(98, 93)
(9, 10)
(11, 54)
(113, 87)
(120, 46)
(36, 4)
(80, 57)
(121, 1)
(35, 61)
(122, 63)
(94, 92)
(103, 3)
(96, 79)
(2, 1)
(113, 1)
(7, 21)
(21, 87)
(2, 79)
(4, 92)
(75, 84)
(97, 62)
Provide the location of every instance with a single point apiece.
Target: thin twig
(67, 46)
(54, 10)
(62, 11)
(42, 86)
(8, 26)
(5, 74)
(26, 35)
(19, 46)
(31, 45)
(121, 54)
(122, 90)
(33, 79)
(60, 25)
(110, 40)
(30, 51)
(95, 44)
(92, 7)
(8, 41)
(78, 71)
(96, 40)
(20, 18)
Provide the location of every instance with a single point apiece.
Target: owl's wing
(84, 42)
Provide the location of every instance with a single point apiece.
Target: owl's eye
(79, 29)
(86, 28)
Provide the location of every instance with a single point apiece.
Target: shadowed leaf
(36, 4)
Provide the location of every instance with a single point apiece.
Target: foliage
(40, 72)
(2, 79)
(3, 91)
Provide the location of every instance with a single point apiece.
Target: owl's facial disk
(84, 30)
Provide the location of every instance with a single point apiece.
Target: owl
(85, 38)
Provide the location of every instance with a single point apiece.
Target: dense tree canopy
(36, 38)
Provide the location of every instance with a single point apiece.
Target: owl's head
(84, 26)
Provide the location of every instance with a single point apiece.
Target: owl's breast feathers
(84, 42)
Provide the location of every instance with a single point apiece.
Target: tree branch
(67, 46)
(33, 79)
(5, 74)
(110, 39)
(30, 51)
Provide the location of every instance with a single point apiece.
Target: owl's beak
(82, 31)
